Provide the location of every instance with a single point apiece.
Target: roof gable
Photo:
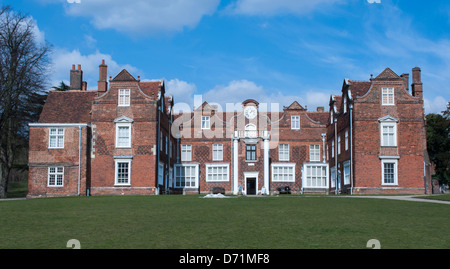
(387, 74)
(295, 106)
(124, 75)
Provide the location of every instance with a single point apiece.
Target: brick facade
(125, 139)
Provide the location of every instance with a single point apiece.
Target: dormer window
(387, 96)
(205, 122)
(124, 97)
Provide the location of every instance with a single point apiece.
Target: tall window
(124, 97)
(123, 135)
(56, 138)
(186, 153)
(217, 172)
(347, 173)
(295, 122)
(205, 122)
(217, 152)
(387, 96)
(283, 152)
(122, 171)
(389, 172)
(56, 176)
(332, 148)
(388, 135)
(346, 140)
(314, 153)
(250, 153)
(186, 176)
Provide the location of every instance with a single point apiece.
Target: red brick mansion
(126, 138)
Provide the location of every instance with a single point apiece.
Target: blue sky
(229, 51)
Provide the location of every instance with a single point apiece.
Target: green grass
(442, 197)
(179, 222)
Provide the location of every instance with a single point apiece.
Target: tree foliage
(23, 68)
(438, 143)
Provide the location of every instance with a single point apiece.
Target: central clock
(250, 112)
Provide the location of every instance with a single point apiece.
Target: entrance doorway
(251, 186)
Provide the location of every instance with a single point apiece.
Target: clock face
(250, 112)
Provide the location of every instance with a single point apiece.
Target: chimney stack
(102, 83)
(405, 78)
(320, 109)
(417, 89)
(76, 78)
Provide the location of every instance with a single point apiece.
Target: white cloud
(144, 16)
(237, 91)
(62, 61)
(270, 7)
(437, 105)
(182, 91)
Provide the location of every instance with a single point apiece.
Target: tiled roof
(150, 88)
(67, 107)
(321, 117)
(359, 88)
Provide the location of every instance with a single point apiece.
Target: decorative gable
(388, 118)
(123, 119)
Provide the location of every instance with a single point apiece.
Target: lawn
(193, 222)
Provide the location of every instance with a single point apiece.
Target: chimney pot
(79, 67)
(73, 67)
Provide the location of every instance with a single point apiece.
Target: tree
(62, 87)
(23, 68)
(438, 143)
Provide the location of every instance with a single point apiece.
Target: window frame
(118, 161)
(295, 122)
(395, 172)
(388, 94)
(252, 152)
(185, 150)
(206, 120)
(56, 173)
(277, 166)
(314, 151)
(283, 152)
(56, 137)
(347, 173)
(178, 178)
(118, 126)
(124, 95)
(209, 174)
(324, 177)
(384, 142)
(217, 152)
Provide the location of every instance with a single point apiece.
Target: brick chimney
(76, 78)
(417, 89)
(320, 109)
(102, 83)
(405, 78)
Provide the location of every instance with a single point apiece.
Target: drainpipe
(79, 159)
(335, 155)
(351, 148)
(157, 146)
